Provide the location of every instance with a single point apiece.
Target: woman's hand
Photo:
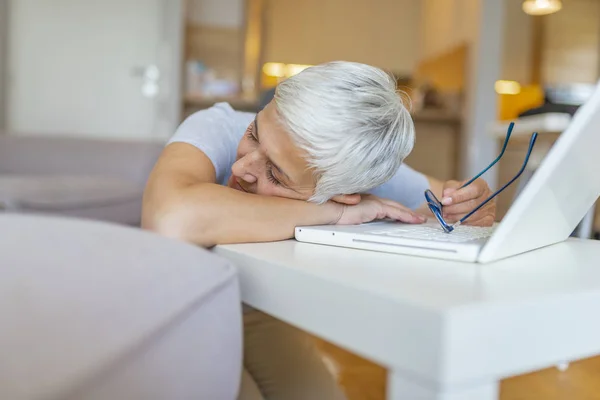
(372, 207)
(459, 202)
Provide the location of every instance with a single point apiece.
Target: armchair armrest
(39, 155)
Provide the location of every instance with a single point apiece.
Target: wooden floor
(363, 380)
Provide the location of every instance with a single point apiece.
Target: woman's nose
(247, 167)
(249, 178)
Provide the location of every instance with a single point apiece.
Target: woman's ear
(348, 199)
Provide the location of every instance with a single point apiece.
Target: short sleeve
(407, 187)
(216, 131)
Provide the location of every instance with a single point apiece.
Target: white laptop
(547, 211)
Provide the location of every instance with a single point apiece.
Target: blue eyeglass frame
(436, 206)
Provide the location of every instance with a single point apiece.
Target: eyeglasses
(436, 206)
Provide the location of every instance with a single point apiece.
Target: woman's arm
(182, 200)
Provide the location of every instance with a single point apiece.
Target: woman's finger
(485, 212)
(451, 187)
(488, 209)
(461, 208)
(465, 194)
(403, 214)
(392, 203)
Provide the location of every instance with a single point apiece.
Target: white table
(445, 330)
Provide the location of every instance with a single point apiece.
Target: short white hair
(351, 121)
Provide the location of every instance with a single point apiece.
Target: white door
(101, 68)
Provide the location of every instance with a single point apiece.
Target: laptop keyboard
(459, 234)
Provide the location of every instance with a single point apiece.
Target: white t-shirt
(217, 131)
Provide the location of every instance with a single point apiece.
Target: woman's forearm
(208, 214)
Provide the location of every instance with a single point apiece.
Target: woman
(328, 149)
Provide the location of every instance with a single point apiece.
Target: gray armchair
(100, 179)
(94, 311)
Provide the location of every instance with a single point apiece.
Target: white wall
(446, 24)
(216, 13)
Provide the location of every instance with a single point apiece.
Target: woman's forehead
(281, 148)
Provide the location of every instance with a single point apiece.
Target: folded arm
(183, 200)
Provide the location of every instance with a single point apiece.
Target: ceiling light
(507, 87)
(541, 7)
(274, 69)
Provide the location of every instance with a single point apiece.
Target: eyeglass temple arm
(508, 133)
(531, 143)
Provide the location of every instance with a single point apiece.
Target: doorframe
(3, 63)
(171, 55)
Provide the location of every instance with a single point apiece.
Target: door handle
(150, 76)
(149, 73)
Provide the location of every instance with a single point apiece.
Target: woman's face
(269, 163)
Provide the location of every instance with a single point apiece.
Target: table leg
(401, 387)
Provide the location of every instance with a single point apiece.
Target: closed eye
(250, 133)
(271, 177)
